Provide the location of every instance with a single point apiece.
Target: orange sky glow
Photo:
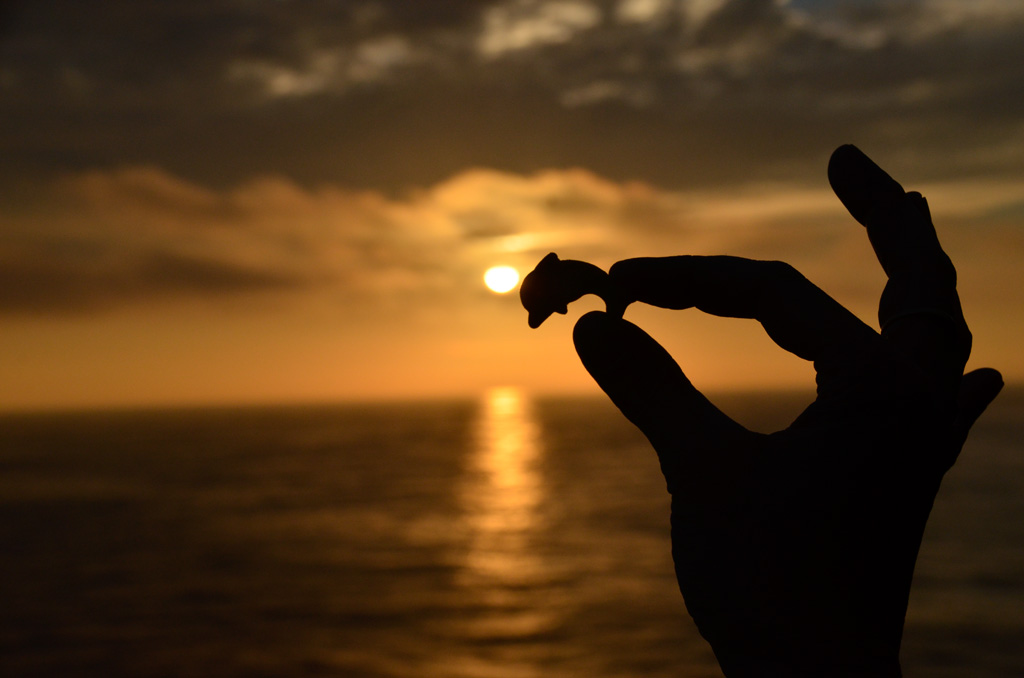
(309, 219)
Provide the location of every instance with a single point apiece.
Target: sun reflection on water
(503, 491)
(518, 599)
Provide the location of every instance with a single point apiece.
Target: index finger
(796, 314)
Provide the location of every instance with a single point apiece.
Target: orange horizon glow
(383, 334)
(299, 207)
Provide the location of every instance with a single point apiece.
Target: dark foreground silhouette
(795, 551)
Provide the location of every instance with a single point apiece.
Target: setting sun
(501, 279)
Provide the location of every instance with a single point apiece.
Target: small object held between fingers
(555, 283)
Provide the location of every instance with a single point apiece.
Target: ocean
(502, 537)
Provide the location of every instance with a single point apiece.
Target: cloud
(518, 25)
(325, 70)
(34, 281)
(642, 11)
(335, 149)
(104, 240)
(391, 94)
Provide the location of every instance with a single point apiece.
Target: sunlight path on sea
(503, 489)
(504, 500)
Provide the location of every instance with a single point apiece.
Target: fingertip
(598, 337)
(842, 151)
(977, 391)
(859, 183)
(845, 158)
(841, 158)
(607, 353)
(624, 360)
(980, 387)
(989, 374)
(590, 324)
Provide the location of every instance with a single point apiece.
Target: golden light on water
(504, 488)
(502, 499)
(501, 279)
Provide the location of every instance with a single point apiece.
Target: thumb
(648, 386)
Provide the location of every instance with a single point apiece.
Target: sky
(255, 201)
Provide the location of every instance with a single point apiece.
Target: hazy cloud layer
(392, 94)
(99, 240)
(104, 240)
(282, 147)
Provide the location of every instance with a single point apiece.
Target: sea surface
(503, 537)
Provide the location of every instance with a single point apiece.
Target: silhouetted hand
(795, 551)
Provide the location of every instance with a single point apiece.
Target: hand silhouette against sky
(795, 551)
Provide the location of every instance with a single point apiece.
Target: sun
(501, 279)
